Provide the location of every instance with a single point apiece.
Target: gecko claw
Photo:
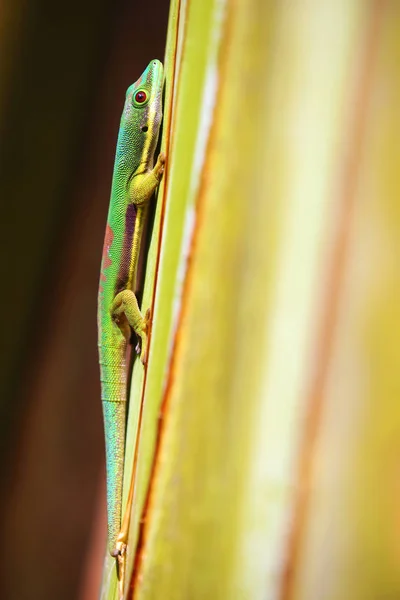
(147, 318)
(160, 165)
(119, 550)
(119, 554)
(145, 338)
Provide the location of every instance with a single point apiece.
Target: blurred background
(64, 69)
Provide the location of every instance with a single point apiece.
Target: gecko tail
(114, 414)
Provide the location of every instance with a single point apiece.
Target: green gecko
(134, 182)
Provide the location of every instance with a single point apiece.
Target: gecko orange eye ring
(140, 98)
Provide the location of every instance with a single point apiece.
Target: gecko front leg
(143, 185)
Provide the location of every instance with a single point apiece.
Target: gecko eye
(140, 98)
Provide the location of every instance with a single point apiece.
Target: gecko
(135, 178)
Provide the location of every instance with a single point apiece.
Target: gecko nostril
(145, 128)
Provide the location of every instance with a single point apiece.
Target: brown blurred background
(64, 69)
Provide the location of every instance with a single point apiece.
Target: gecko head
(143, 106)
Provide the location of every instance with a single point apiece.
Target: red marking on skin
(106, 262)
(108, 240)
(102, 279)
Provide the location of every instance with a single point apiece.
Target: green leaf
(227, 438)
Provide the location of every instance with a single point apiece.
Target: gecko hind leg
(125, 303)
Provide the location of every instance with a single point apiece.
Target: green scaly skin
(133, 184)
